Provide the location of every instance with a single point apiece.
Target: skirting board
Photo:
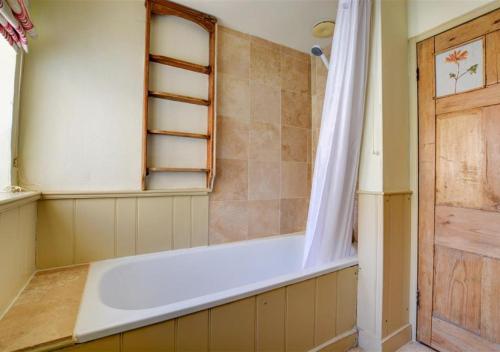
(340, 343)
(397, 339)
(390, 343)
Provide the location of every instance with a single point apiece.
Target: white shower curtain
(330, 218)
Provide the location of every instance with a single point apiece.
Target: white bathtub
(131, 292)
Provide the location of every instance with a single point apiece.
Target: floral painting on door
(460, 69)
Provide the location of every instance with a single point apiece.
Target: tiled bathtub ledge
(44, 315)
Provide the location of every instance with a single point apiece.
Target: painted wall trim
(332, 341)
(397, 339)
(125, 194)
(14, 200)
(456, 22)
(385, 193)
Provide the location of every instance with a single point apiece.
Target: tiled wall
(263, 139)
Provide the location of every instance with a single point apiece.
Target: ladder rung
(165, 60)
(177, 169)
(180, 134)
(181, 98)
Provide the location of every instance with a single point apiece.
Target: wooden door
(459, 197)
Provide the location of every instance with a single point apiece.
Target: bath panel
(245, 296)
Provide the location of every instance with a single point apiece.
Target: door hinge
(418, 74)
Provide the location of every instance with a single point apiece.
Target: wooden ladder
(207, 22)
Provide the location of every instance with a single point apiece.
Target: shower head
(317, 51)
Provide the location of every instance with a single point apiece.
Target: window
(8, 87)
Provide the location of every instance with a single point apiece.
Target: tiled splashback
(263, 139)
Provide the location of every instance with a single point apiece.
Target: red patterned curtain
(15, 23)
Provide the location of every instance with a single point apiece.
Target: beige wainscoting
(17, 248)
(317, 314)
(74, 229)
(384, 260)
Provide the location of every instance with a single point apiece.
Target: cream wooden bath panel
(316, 314)
(246, 296)
(81, 229)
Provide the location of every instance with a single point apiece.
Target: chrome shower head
(317, 51)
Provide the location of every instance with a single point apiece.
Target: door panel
(459, 200)
(490, 312)
(460, 161)
(469, 230)
(457, 288)
(492, 57)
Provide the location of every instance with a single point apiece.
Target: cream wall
(424, 15)
(384, 214)
(81, 108)
(17, 248)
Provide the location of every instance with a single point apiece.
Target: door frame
(414, 141)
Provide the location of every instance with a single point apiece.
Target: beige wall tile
(228, 221)
(55, 233)
(265, 103)
(293, 144)
(264, 141)
(94, 229)
(232, 326)
(233, 55)
(231, 182)
(293, 180)
(157, 337)
(233, 96)
(232, 138)
(263, 218)
(300, 316)
(126, 226)
(279, 129)
(270, 334)
(296, 54)
(154, 224)
(295, 74)
(296, 109)
(263, 180)
(265, 64)
(293, 215)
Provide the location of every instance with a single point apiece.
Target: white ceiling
(287, 22)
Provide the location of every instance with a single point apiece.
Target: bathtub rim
(91, 306)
